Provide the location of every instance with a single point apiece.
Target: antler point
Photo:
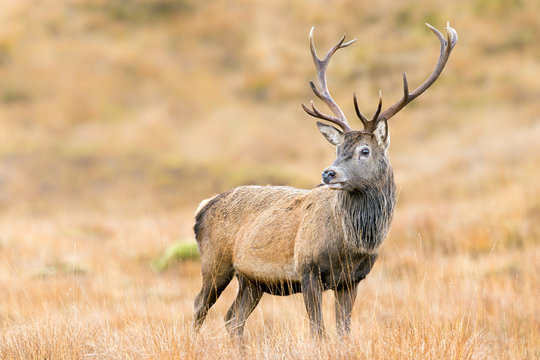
(348, 43)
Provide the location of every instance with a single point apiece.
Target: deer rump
(272, 235)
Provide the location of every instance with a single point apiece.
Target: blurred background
(152, 105)
(118, 117)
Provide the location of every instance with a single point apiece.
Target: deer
(282, 240)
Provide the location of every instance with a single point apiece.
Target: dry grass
(417, 303)
(117, 118)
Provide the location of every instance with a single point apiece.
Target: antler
(369, 125)
(446, 47)
(324, 94)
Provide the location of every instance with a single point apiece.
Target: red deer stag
(282, 240)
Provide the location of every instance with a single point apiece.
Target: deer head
(361, 156)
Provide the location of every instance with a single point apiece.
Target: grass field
(117, 118)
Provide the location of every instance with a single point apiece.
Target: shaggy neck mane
(367, 213)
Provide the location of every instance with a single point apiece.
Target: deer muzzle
(334, 178)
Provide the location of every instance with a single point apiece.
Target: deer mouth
(337, 185)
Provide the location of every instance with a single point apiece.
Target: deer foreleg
(312, 290)
(345, 297)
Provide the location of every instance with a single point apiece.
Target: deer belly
(268, 261)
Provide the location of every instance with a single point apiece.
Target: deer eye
(364, 152)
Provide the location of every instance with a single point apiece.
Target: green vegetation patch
(177, 251)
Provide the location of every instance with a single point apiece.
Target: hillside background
(118, 117)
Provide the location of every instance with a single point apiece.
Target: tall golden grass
(117, 118)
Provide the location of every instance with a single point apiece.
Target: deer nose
(328, 175)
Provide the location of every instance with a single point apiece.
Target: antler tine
(361, 116)
(446, 48)
(316, 113)
(369, 125)
(378, 111)
(323, 93)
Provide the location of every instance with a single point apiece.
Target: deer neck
(366, 214)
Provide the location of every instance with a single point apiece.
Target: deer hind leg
(312, 290)
(214, 283)
(346, 295)
(246, 300)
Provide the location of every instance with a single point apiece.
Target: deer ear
(382, 135)
(333, 135)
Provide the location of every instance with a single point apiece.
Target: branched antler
(324, 94)
(447, 44)
(446, 48)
